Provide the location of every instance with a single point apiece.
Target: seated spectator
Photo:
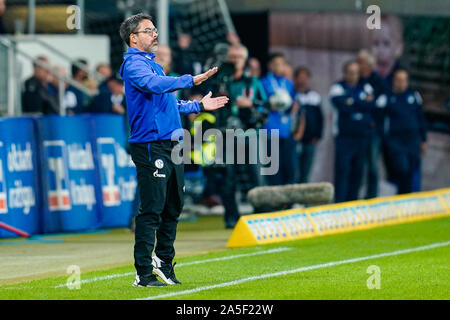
(36, 97)
(78, 98)
(2, 12)
(53, 88)
(113, 100)
(106, 72)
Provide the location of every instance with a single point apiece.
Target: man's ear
(132, 38)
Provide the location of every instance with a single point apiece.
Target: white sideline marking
(302, 269)
(237, 256)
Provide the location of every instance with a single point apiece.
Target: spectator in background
(53, 88)
(36, 97)
(113, 100)
(164, 58)
(288, 72)
(78, 97)
(248, 102)
(220, 52)
(246, 93)
(2, 12)
(106, 72)
(366, 63)
(307, 107)
(387, 46)
(281, 93)
(254, 68)
(183, 62)
(354, 103)
(405, 130)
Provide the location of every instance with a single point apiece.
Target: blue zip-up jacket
(153, 110)
(405, 117)
(354, 111)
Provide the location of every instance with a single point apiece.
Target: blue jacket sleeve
(187, 107)
(143, 79)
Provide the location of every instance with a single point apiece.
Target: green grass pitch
(328, 267)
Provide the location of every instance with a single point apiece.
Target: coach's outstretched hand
(198, 80)
(211, 104)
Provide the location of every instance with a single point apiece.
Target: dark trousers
(161, 188)
(305, 159)
(350, 156)
(404, 159)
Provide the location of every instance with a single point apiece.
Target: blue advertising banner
(19, 176)
(70, 174)
(117, 171)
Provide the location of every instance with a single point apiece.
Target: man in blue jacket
(405, 130)
(154, 117)
(281, 93)
(354, 102)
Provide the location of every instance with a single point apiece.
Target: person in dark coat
(405, 130)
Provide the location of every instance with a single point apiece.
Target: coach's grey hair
(131, 24)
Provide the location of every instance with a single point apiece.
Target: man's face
(41, 73)
(400, 82)
(2, 7)
(83, 75)
(277, 66)
(302, 80)
(105, 71)
(352, 74)
(147, 42)
(184, 41)
(237, 57)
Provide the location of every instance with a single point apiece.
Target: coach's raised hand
(199, 79)
(211, 104)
